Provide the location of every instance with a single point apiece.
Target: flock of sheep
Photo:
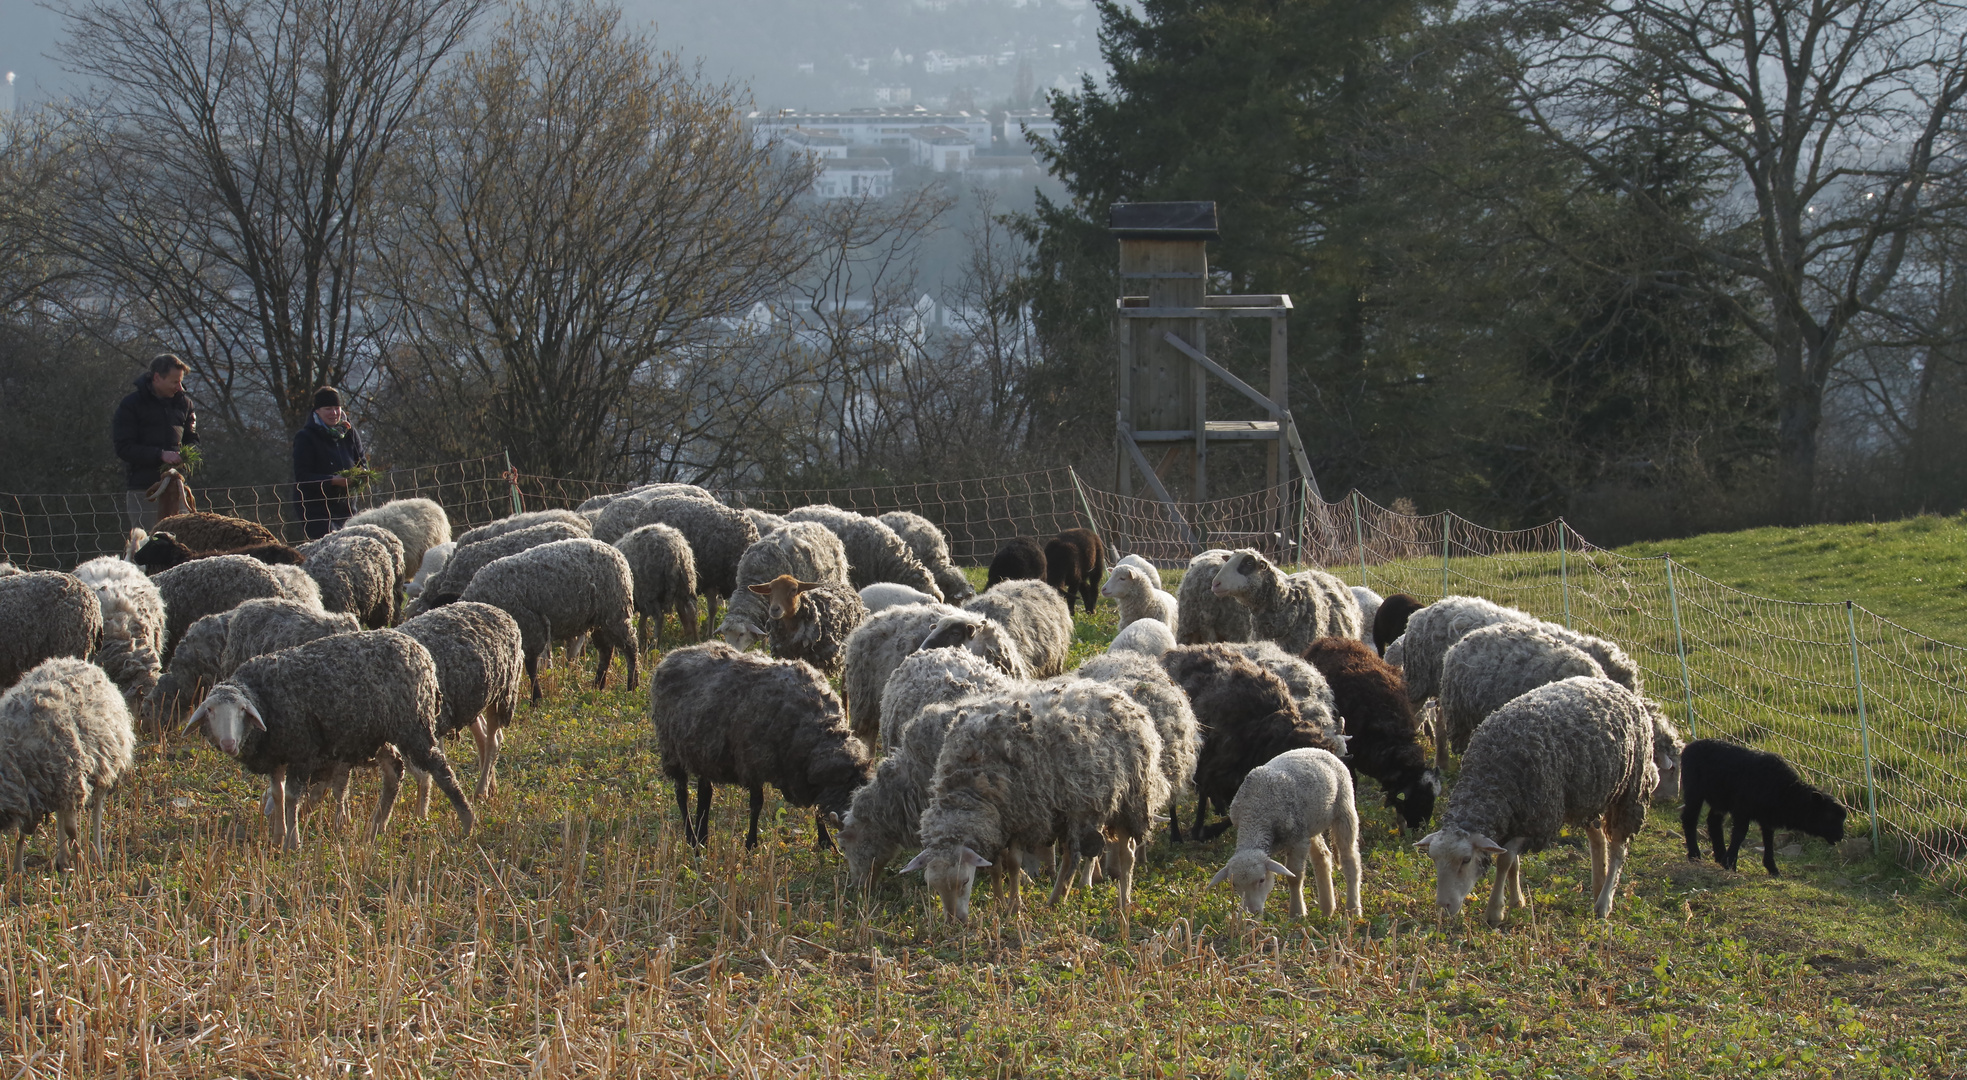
(958, 734)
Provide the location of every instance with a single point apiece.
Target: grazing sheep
(1300, 803)
(1369, 609)
(1754, 786)
(399, 562)
(121, 584)
(208, 586)
(620, 516)
(718, 537)
(931, 548)
(875, 650)
(764, 521)
(1021, 557)
(1035, 616)
(294, 583)
(728, 717)
(43, 615)
(1203, 616)
(214, 647)
(885, 813)
(1492, 666)
(357, 574)
(526, 520)
(202, 531)
(1307, 686)
(126, 653)
(1292, 610)
(811, 620)
(467, 559)
(1071, 763)
(418, 524)
(1146, 681)
(1611, 659)
(432, 564)
(1382, 738)
(1576, 752)
(664, 570)
(1390, 619)
(65, 740)
(1139, 596)
(930, 676)
(806, 550)
(312, 712)
(558, 591)
(874, 552)
(480, 658)
(883, 595)
(1149, 637)
(1435, 629)
(1246, 716)
(982, 636)
(164, 550)
(1074, 561)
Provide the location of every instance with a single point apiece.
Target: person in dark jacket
(152, 425)
(325, 446)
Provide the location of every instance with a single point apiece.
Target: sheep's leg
(296, 784)
(1615, 862)
(630, 654)
(607, 652)
(686, 617)
(1198, 823)
(1068, 869)
(1321, 874)
(66, 828)
(20, 841)
(1769, 848)
(96, 799)
(703, 810)
(683, 803)
(1596, 835)
(757, 807)
(1440, 749)
(1175, 821)
(430, 758)
(1345, 838)
(1494, 913)
(488, 755)
(392, 774)
(1690, 829)
(821, 841)
(275, 804)
(1118, 864)
(1736, 835)
(533, 673)
(423, 791)
(1517, 897)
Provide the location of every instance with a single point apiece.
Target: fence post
(1864, 728)
(1359, 533)
(1447, 529)
(1564, 569)
(1680, 646)
(512, 483)
(1091, 523)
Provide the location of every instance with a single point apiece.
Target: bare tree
(1836, 122)
(577, 216)
(36, 153)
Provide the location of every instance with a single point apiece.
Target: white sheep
(883, 595)
(432, 564)
(420, 524)
(1300, 803)
(1293, 610)
(66, 738)
(1035, 616)
(1205, 618)
(1149, 637)
(1139, 595)
(1369, 606)
(874, 650)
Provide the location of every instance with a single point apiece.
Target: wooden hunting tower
(1164, 363)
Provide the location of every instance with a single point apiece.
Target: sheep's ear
(921, 860)
(1278, 868)
(1425, 842)
(763, 588)
(253, 711)
(1486, 846)
(804, 586)
(972, 859)
(197, 716)
(1221, 876)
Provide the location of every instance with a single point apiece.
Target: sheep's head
(161, 552)
(991, 643)
(1252, 874)
(782, 595)
(1666, 753)
(865, 852)
(1126, 580)
(740, 634)
(1460, 859)
(1819, 814)
(954, 631)
(955, 587)
(950, 871)
(228, 715)
(1415, 802)
(1237, 574)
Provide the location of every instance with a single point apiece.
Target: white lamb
(1139, 595)
(1300, 803)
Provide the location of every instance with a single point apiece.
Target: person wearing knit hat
(324, 448)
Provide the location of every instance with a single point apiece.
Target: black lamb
(163, 551)
(1075, 561)
(1390, 621)
(1246, 716)
(1752, 785)
(1020, 557)
(1382, 739)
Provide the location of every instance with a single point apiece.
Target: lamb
(1146, 681)
(288, 716)
(43, 615)
(811, 620)
(1139, 596)
(664, 570)
(214, 647)
(1299, 802)
(738, 718)
(1292, 610)
(432, 564)
(1754, 786)
(467, 559)
(806, 550)
(1382, 739)
(202, 531)
(1369, 609)
(983, 637)
(1021, 557)
(931, 548)
(718, 537)
(1576, 752)
(1149, 637)
(1074, 561)
(66, 739)
(874, 552)
(1136, 559)
(1246, 716)
(526, 520)
(1390, 621)
(1492, 666)
(121, 584)
(418, 524)
(208, 586)
(357, 574)
(1036, 618)
(883, 595)
(164, 550)
(1071, 763)
(558, 591)
(480, 657)
(875, 650)
(1205, 617)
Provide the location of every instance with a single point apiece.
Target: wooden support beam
(1160, 491)
(1222, 373)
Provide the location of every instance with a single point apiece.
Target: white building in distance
(941, 149)
(854, 177)
(870, 127)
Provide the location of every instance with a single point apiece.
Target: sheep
(883, 595)
(875, 650)
(1611, 659)
(1435, 629)
(1246, 716)
(127, 653)
(1575, 752)
(1074, 561)
(1390, 620)
(418, 524)
(1292, 610)
(558, 591)
(398, 560)
(1071, 763)
(66, 739)
(764, 521)
(214, 647)
(1369, 608)
(467, 559)
(811, 620)
(931, 548)
(982, 636)
(311, 712)
(1136, 559)
(45, 614)
(120, 583)
(885, 813)
(1146, 681)
(1307, 687)
(1492, 666)
(1299, 802)
(295, 583)
(480, 657)
(357, 574)
(739, 718)
(1382, 738)
(1149, 637)
(930, 676)
(806, 550)
(718, 537)
(1139, 596)
(202, 531)
(1754, 786)
(1205, 617)
(433, 563)
(208, 586)
(664, 570)
(874, 552)
(1021, 557)
(164, 550)
(526, 520)
(1035, 616)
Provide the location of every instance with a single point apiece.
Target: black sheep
(1391, 620)
(1753, 785)
(1382, 739)
(1246, 716)
(163, 551)
(1075, 560)
(1018, 558)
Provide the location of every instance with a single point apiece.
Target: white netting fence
(1864, 707)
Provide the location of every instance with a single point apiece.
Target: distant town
(858, 151)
